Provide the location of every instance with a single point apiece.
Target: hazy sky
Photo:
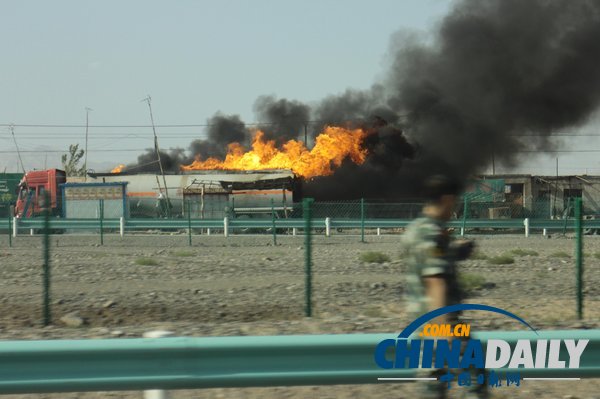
(194, 58)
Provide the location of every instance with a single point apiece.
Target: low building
(516, 196)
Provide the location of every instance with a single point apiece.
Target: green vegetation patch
(146, 262)
(501, 260)
(559, 254)
(477, 255)
(183, 253)
(374, 257)
(524, 252)
(470, 283)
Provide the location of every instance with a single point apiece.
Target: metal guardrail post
(273, 222)
(464, 221)
(579, 257)
(566, 213)
(362, 220)
(526, 224)
(46, 248)
(157, 393)
(101, 221)
(225, 227)
(122, 226)
(189, 217)
(307, 203)
(9, 230)
(327, 226)
(15, 227)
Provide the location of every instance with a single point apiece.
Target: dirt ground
(244, 285)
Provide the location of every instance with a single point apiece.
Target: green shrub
(478, 256)
(183, 253)
(560, 254)
(471, 282)
(524, 252)
(146, 262)
(374, 257)
(501, 260)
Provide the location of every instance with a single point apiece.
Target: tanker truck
(209, 194)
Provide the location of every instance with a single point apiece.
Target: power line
(182, 149)
(46, 125)
(102, 150)
(179, 135)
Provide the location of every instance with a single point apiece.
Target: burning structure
(493, 77)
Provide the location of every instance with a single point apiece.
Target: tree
(70, 161)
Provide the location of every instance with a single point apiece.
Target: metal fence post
(225, 226)
(578, 257)
(189, 215)
(121, 226)
(327, 227)
(273, 222)
(362, 220)
(15, 227)
(46, 246)
(101, 222)
(308, 254)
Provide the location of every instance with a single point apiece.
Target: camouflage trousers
(474, 383)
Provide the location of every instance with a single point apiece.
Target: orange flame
(331, 148)
(118, 169)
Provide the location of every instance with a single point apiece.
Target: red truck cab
(32, 189)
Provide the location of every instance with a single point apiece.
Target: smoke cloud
(285, 119)
(495, 72)
(221, 130)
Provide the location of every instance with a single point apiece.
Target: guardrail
(186, 363)
(147, 224)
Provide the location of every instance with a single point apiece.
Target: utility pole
(555, 191)
(306, 135)
(87, 123)
(12, 131)
(156, 148)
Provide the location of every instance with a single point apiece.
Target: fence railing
(185, 363)
(466, 209)
(23, 225)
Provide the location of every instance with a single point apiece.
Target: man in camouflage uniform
(431, 278)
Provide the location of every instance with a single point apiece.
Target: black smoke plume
(148, 161)
(220, 131)
(495, 72)
(284, 119)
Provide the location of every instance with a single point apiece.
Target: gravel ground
(244, 285)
